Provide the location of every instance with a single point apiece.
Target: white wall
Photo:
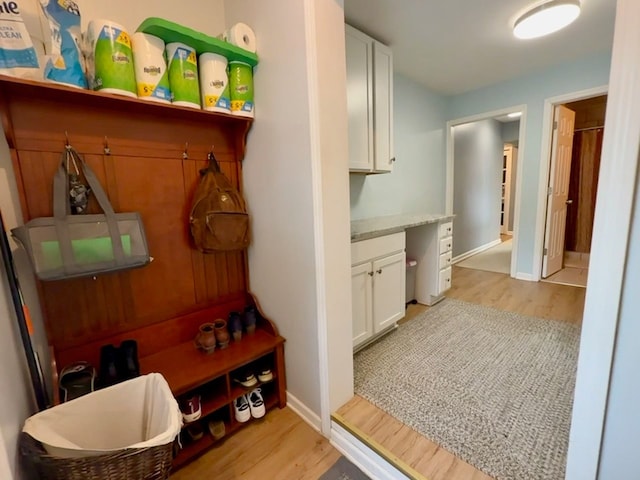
(201, 15)
(293, 154)
(478, 152)
(417, 183)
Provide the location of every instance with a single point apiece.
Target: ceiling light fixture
(546, 18)
(514, 115)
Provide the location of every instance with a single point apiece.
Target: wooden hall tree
(147, 157)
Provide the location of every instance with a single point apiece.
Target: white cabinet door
(383, 108)
(359, 99)
(389, 279)
(361, 286)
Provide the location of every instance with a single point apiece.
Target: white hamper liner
(137, 413)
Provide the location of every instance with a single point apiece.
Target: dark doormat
(343, 469)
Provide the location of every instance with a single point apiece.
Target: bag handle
(213, 166)
(62, 209)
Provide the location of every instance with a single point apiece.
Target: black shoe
(128, 365)
(108, 366)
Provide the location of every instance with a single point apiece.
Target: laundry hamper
(124, 432)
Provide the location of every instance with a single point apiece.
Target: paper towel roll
(241, 89)
(183, 75)
(241, 35)
(214, 82)
(152, 77)
(110, 61)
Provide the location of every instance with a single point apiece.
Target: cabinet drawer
(446, 244)
(366, 250)
(446, 230)
(444, 283)
(445, 260)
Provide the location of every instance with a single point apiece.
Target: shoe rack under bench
(190, 371)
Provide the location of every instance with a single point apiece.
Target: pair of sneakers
(249, 405)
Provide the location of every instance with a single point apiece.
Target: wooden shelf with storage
(147, 156)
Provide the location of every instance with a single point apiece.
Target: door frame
(515, 204)
(545, 166)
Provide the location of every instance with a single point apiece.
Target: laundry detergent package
(18, 56)
(66, 63)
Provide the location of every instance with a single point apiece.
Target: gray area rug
(343, 469)
(492, 387)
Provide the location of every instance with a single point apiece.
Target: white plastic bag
(18, 57)
(138, 413)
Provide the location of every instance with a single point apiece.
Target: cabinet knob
(370, 274)
(393, 159)
(379, 270)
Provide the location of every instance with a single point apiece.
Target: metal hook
(67, 143)
(107, 150)
(185, 154)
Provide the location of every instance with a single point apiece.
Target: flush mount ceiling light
(546, 18)
(514, 115)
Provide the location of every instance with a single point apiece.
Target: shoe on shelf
(195, 431)
(256, 404)
(76, 380)
(241, 407)
(216, 429)
(128, 365)
(108, 366)
(249, 320)
(191, 409)
(245, 378)
(265, 374)
(235, 326)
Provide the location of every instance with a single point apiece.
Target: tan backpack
(218, 219)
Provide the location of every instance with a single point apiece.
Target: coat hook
(185, 154)
(107, 150)
(66, 136)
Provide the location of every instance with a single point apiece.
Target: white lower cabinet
(431, 245)
(378, 286)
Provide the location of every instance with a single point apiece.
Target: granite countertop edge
(378, 226)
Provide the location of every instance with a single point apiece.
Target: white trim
(611, 238)
(522, 137)
(521, 145)
(362, 456)
(318, 215)
(304, 412)
(545, 165)
(524, 276)
(475, 251)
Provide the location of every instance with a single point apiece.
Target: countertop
(378, 226)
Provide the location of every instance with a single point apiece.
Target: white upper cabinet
(369, 103)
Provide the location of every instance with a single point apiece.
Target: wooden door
(558, 192)
(389, 277)
(361, 303)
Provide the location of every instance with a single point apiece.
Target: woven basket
(153, 463)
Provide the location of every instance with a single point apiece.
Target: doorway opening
(484, 168)
(574, 164)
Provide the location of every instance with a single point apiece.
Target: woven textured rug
(492, 387)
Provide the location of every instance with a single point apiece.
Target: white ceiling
(454, 46)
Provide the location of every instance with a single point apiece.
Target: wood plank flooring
(545, 300)
(279, 446)
(282, 446)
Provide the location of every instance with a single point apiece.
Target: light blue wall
(532, 90)
(477, 177)
(417, 183)
(510, 132)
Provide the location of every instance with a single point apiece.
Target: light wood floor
(278, 446)
(545, 300)
(282, 446)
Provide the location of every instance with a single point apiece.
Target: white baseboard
(362, 456)
(475, 251)
(304, 412)
(525, 276)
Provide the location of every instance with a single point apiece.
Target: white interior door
(562, 143)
